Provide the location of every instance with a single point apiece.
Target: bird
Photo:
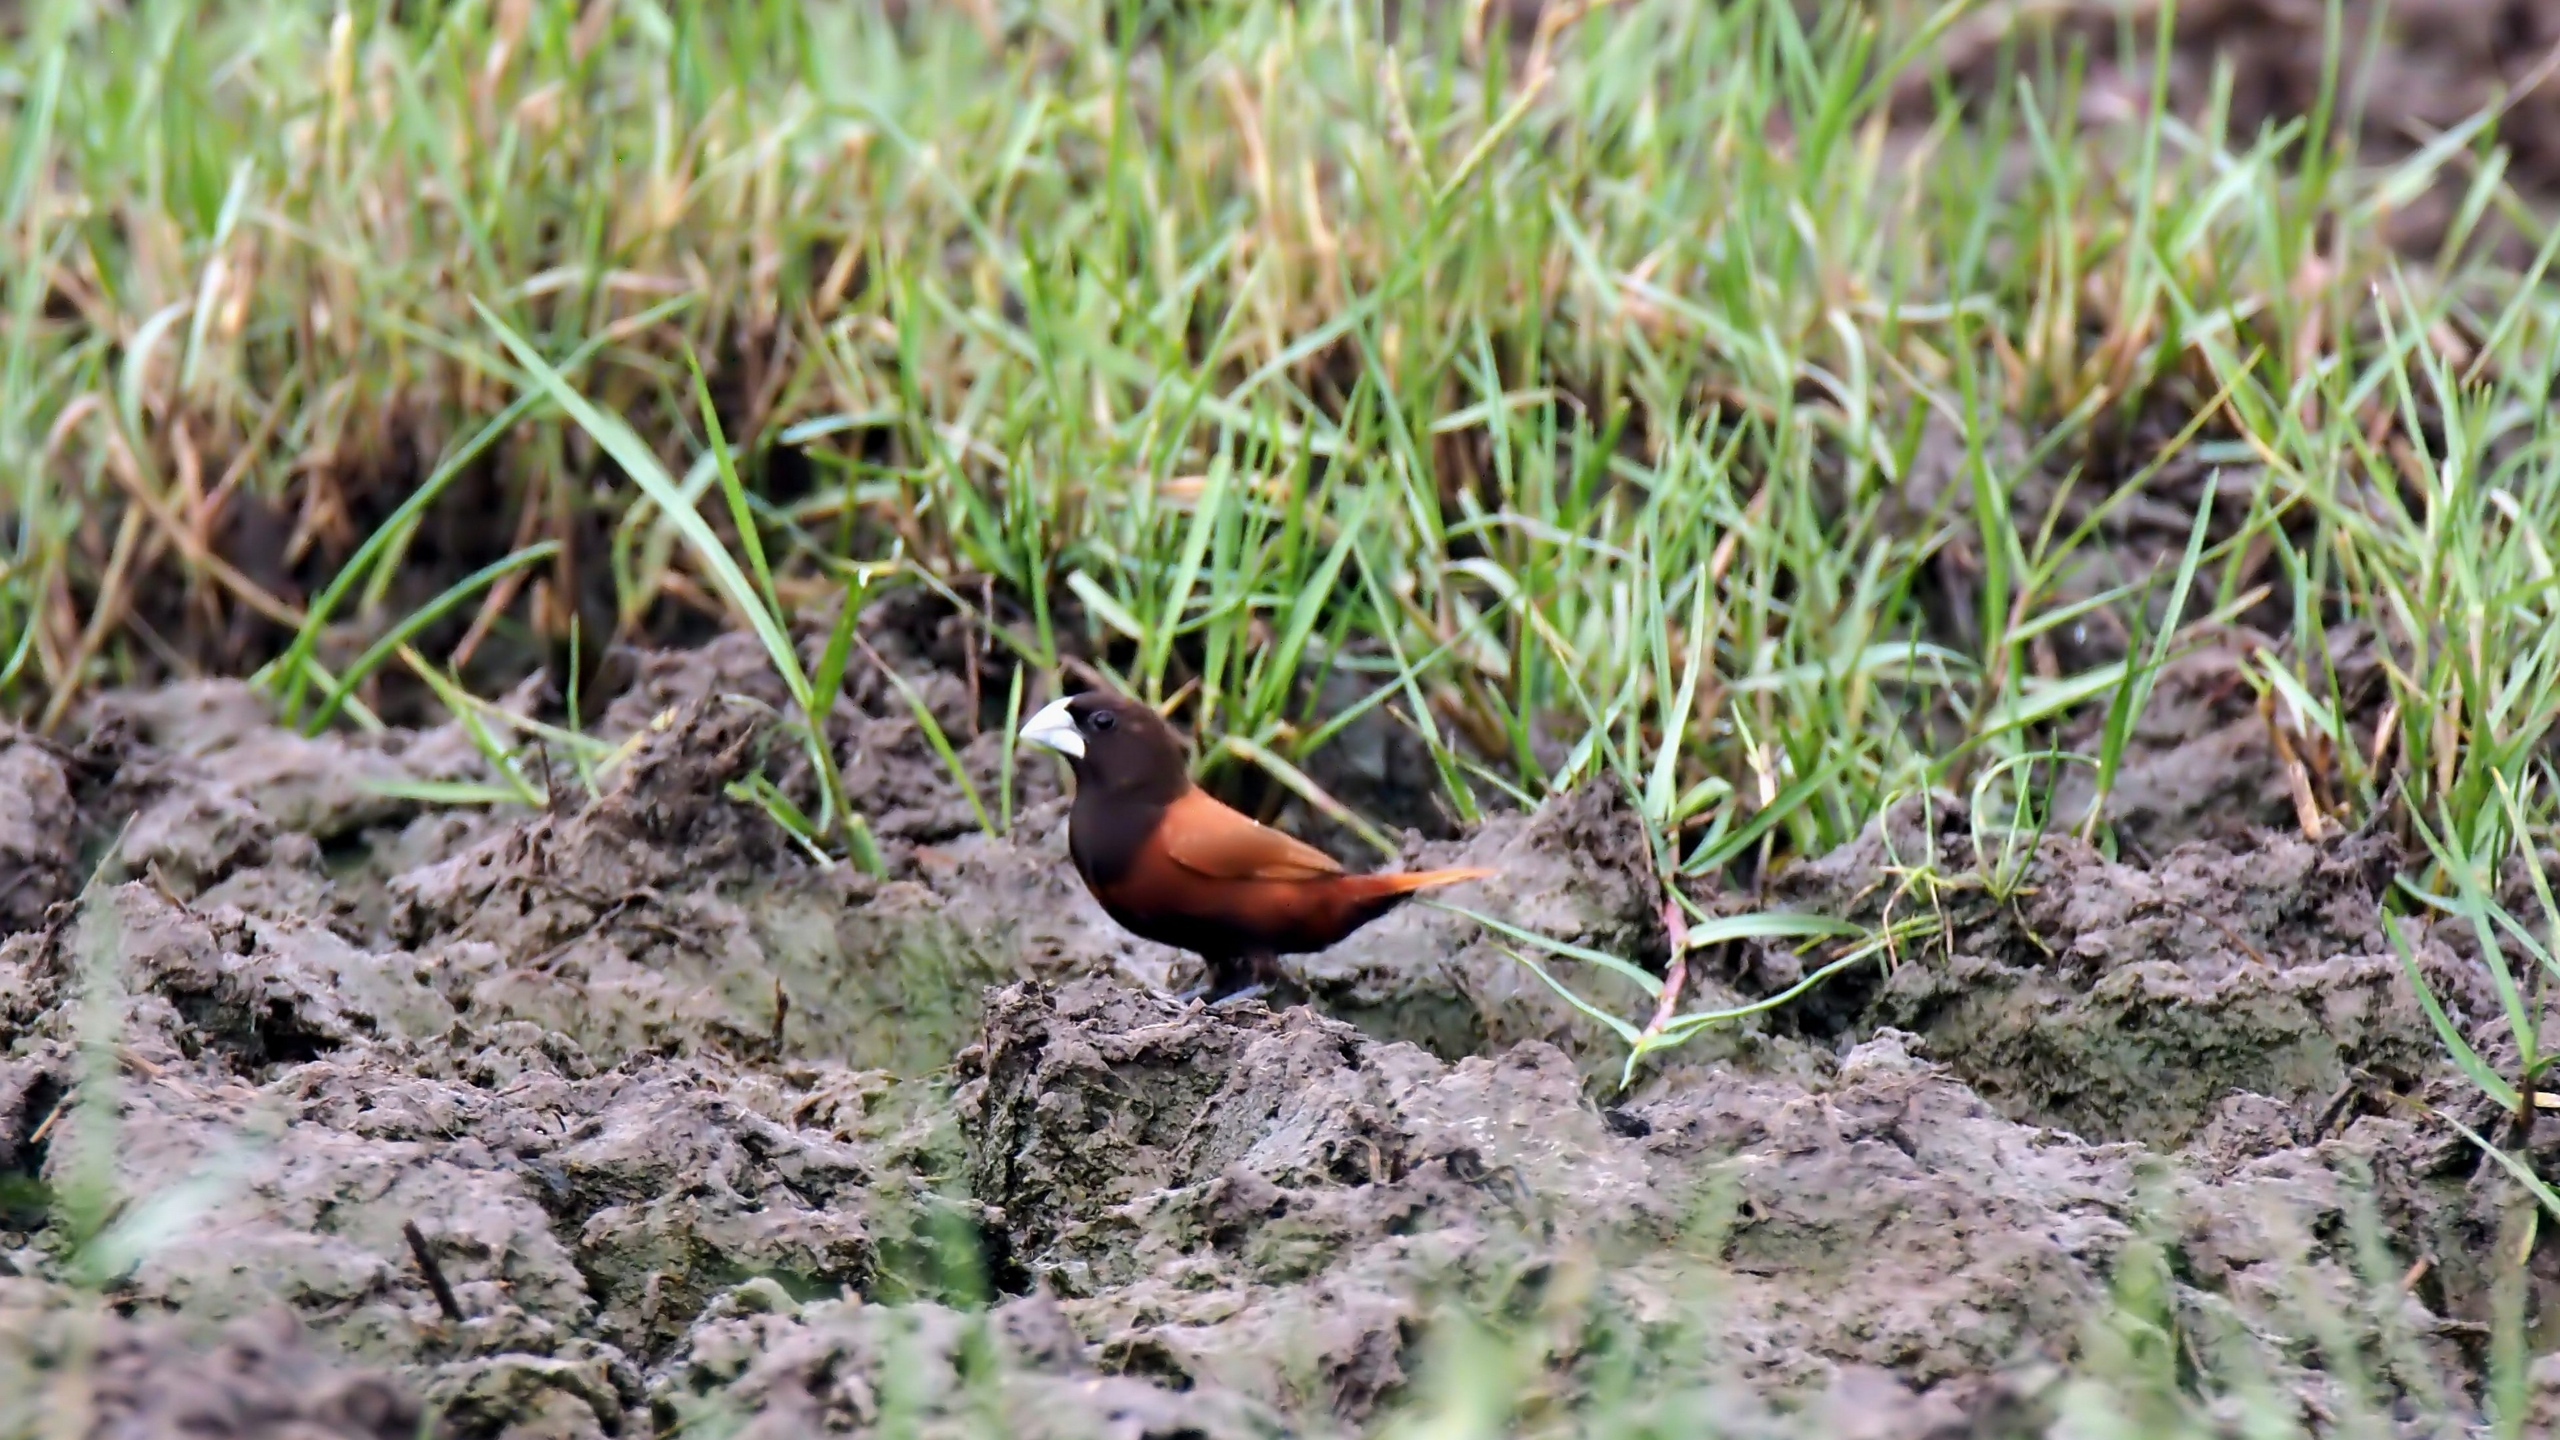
(1169, 863)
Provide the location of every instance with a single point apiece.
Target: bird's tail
(1426, 880)
(1366, 897)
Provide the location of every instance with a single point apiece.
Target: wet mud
(322, 1110)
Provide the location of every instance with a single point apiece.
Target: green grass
(1631, 392)
(1642, 404)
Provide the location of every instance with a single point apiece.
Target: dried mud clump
(665, 915)
(780, 1370)
(1579, 870)
(195, 786)
(1274, 1205)
(2125, 1002)
(69, 1367)
(1263, 1201)
(306, 1101)
(39, 833)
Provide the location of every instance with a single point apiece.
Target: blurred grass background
(1720, 394)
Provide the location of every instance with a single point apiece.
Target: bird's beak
(1052, 728)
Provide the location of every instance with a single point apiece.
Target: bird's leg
(1263, 980)
(1220, 982)
(1234, 979)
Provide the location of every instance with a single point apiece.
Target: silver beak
(1052, 728)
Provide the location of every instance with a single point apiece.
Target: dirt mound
(1274, 1204)
(2124, 1002)
(1578, 871)
(310, 1102)
(68, 1368)
(779, 1369)
(39, 832)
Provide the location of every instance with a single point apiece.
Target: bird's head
(1117, 746)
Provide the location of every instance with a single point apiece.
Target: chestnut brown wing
(1209, 839)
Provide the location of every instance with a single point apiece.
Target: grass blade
(616, 437)
(428, 614)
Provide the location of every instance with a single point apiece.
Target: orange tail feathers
(1426, 880)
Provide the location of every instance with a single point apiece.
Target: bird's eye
(1104, 720)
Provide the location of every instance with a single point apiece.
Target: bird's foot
(1254, 978)
(1209, 994)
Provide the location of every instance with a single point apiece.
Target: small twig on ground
(550, 787)
(427, 1266)
(2297, 776)
(1675, 976)
(2336, 1108)
(969, 654)
(52, 1118)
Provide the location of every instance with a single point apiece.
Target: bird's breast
(1105, 838)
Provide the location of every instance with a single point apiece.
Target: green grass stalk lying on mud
(1705, 399)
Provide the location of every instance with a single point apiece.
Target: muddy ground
(323, 1113)
(696, 1135)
